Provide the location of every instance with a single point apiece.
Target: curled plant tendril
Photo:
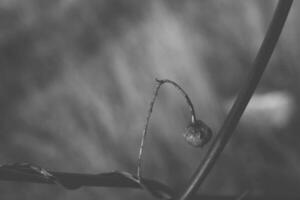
(196, 134)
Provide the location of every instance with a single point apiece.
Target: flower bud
(197, 133)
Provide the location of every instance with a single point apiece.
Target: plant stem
(145, 131)
(139, 162)
(242, 100)
(186, 96)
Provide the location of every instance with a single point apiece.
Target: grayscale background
(77, 77)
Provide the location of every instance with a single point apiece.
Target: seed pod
(197, 133)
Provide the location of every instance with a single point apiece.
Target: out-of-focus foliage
(76, 79)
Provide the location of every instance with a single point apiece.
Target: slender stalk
(242, 100)
(186, 96)
(145, 131)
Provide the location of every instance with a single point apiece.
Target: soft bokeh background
(77, 76)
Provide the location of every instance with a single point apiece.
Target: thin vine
(197, 132)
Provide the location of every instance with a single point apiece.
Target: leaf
(32, 173)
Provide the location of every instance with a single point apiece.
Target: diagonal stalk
(242, 100)
(145, 131)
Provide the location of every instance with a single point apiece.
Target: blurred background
(77, 77)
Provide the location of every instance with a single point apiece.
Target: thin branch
(186, 96)
(242, 100)
(145, 131)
